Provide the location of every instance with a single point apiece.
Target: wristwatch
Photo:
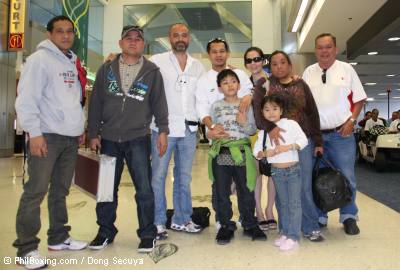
(354, 121)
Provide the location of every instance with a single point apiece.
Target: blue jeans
(137, 156)
(309, 220)
(341, 152)
(184, 149)
(50, 175)
(288, 190)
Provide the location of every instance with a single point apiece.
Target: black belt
(332, 129)
(192, 123)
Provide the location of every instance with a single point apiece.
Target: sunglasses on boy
(255, 60)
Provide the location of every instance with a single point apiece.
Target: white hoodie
(49, 93)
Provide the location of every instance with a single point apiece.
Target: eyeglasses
(181, 81)
(255, 60)
(216, 39)
(323, 77)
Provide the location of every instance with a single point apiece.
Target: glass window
(41, 11)
(227, 20)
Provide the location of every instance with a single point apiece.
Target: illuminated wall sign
(16, 25)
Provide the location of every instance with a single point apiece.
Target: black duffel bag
(331, 189)
(200, 216)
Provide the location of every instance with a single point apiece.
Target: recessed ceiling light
(370, 99)
(398, 89)
(394, 38)
(353, 63)
(372, 53)
(390, 75)
(382, 94)
(370, 83)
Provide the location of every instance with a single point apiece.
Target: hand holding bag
(263, 165)
(105, 186)
(331, 189)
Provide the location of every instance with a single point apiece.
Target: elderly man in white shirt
(180, 73)
(207, 91)
(339, 96)
(373, 121)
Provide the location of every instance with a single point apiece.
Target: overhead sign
(16, 33)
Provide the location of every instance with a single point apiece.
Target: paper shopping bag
(105, 186)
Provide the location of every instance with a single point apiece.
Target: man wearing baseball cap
(127, 93)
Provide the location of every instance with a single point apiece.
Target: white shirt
(371, 123)
(333, 98)
(207, 91)
(393, 125)
(293, 134)
(180, 87)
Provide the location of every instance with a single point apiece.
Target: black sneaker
(100, 242)
(224, 236)
(322, 225)
(350, 226)
(146, 245)
(204, 141)
(255, 233)
(315, 236)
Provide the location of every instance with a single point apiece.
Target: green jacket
(234, 149)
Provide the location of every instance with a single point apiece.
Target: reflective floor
(377, 247)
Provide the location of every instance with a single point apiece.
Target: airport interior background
(368, 37)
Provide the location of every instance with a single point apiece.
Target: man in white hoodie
(49, 110)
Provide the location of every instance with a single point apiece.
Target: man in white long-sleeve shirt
(207, 89)
(49, 110)
(180, 73)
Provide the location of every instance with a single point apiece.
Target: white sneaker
(177, 227)
(289, 244)
(278, 242)
(191, 227)
(162, 233)
(70, 244)
(32, 260)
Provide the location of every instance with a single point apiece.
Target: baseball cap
(129, 28)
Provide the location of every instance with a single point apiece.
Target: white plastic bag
(105, 185)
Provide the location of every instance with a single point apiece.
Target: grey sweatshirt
(49, 93)
(121, 117)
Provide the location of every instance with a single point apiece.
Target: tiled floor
(377, 247)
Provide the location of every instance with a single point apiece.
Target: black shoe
(146, 245)
(100, 242)
(258, 234)
(322, 225)
(224, 236)
(204, 141)
(255, 233)
(315, 236)
(350, 226)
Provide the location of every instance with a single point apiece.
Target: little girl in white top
(284, 158)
